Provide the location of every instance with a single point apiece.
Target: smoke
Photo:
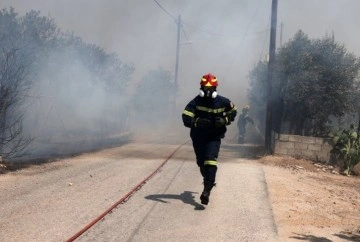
(226, 38)
(70, 110)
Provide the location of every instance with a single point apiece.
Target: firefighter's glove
(202, 123)
(219, 122)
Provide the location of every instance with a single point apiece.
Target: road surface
(53, 202)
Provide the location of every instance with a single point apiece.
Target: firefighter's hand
(202, 123)
(219, 121)
(250, 120)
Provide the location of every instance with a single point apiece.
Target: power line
(189, 41)
(202, 30)
(265, 39)
(199, 29)
(183, 30)
(187, 24)
(167, 12)
(245, 33)
(217, 34)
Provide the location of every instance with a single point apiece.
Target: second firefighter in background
(244, 118)
(207, 116)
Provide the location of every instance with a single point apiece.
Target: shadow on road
(348, 237)
(343, 235)
(186, 197)
(311, 238)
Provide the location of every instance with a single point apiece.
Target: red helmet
(209, 80)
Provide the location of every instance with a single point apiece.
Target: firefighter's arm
(230, 113)
(188, 118)
(202, 123)
(220, 121)
(188, 115)
(191, 121)
(250, 120)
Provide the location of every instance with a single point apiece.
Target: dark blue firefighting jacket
(208, 108)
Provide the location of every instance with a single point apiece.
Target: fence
(312, 148)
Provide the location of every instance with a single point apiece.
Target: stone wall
(312, 148)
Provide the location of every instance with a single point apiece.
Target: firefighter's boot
(206, 192)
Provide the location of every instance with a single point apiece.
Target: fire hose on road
(124, 198)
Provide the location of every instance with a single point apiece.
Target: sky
(226, 38)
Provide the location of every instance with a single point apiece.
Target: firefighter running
(207, 116)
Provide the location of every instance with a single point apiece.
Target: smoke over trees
(87, 85)
(314, 81)
(257, 94)
(81, 83)
(154, 97)
(20, 43)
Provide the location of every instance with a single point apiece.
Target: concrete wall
(312, 148)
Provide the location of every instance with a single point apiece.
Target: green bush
(346, 147)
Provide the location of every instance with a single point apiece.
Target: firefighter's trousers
(207, 151)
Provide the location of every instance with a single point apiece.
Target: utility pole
(358, 130)
(271, 65)
(281, 33)
(177, 61)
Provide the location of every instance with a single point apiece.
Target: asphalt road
(167, 207)
(52, 202)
